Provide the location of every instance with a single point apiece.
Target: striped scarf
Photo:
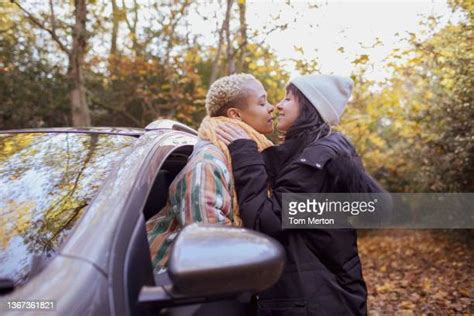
(207, 131)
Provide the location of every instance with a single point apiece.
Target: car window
(46, 182)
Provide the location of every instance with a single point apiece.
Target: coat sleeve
(201, 194)
(258, 210)
(205, 196)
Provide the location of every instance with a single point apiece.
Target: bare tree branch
(52, 32)
(225, 25)
(124, 7)
(243, 35)
(53, 18)
(132, 27)
(174, 20)
(135, 11)
(229, 50)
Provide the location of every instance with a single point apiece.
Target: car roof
(88, 130)
(160, 124)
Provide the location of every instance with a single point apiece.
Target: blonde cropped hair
(226, 92)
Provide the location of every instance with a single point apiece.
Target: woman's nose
(271, 108)
(278, 106)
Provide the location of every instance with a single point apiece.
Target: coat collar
(318, 153)
(315, 155)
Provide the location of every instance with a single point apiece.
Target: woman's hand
(228, 133)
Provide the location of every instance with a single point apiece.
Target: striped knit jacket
(201, 192)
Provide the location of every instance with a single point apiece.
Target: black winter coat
(323, 274)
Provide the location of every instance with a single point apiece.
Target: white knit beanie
(328, 94)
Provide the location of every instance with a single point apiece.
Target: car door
(129, 264)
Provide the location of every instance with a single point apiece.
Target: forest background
(129, 62)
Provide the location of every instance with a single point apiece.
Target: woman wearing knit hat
(204, 190)
(323, 275)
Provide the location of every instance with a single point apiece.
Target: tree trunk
(77, 95)
(115, 26)
(136, 45)
(243, 37)
(79, 108)
(132, 27)
(113, 38)
(225, 26)
(229, 52)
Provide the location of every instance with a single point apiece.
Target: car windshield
(46, 182)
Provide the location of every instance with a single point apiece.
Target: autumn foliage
(141, 62)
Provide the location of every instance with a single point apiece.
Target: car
(73, 207)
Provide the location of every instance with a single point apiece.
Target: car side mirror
(217, 261)
(208, 259)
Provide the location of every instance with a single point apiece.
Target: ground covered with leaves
(418, 271)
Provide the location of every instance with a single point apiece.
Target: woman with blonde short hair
(204, 190)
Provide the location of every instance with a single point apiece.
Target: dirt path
(408, 271)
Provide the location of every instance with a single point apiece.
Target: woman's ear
(233, 113)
